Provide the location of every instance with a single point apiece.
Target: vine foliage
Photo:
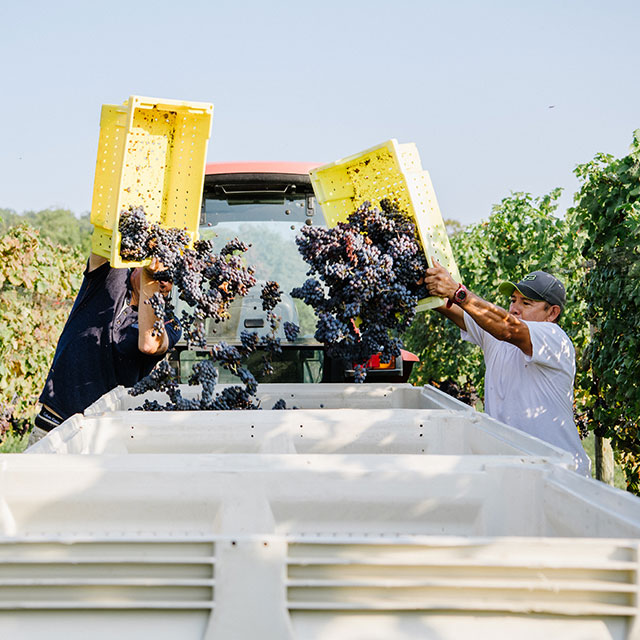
(607, 220)
(38, 282)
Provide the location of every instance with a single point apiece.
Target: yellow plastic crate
(389, 170)
(151, 153)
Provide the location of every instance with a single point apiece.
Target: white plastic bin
(312, 546)
(388, 512)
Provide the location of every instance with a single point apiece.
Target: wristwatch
(459, 296)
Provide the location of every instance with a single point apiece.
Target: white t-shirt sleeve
(474, 333)
(551, 347)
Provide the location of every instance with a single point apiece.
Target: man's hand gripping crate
(389, 170)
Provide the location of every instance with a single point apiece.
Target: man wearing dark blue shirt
(109, 340)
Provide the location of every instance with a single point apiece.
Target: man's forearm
(489, 317)
(499, 322)
(493, 319)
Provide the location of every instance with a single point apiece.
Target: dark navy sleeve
(174, 331)
(125, 335)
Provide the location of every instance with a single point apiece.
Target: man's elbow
(152, 347)
(517, 335)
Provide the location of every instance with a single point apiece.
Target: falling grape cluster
(270, 296)
(159, 304)
(208, 282)
(205, 374)
(365, 288)
(291, 331)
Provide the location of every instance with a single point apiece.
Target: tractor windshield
(268, 223)
(269, 227)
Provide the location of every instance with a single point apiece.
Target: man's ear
(554, 312)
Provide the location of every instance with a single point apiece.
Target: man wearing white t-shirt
(530, 361)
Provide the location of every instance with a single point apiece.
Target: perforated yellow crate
(151, 153)
(389, 170)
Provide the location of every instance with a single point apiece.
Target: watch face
(461, 295)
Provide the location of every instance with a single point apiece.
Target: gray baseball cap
(538, 285)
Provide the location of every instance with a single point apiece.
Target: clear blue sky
(471, 83)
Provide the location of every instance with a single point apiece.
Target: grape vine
(38, 283)
(607, 218)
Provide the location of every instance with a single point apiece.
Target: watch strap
(455, 295)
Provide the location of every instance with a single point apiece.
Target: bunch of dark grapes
(205, 374)
(168, 246)
(235, 397)
(208, 282)
(270, 295)
(159, 304)
(365, 287)
(161, 378)
(234, 246)
(291, 331)
(359, 373)
(270, 343)
(135, 232)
